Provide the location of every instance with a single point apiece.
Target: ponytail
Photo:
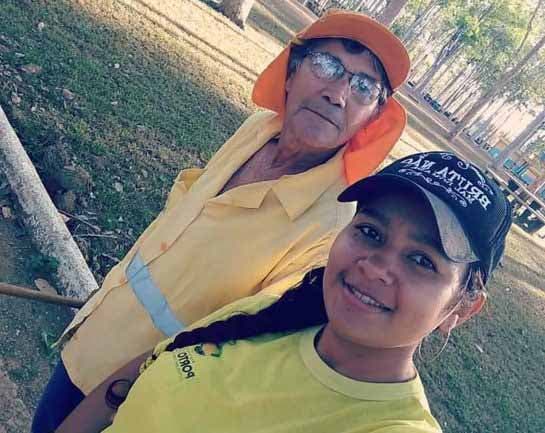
(299, 308)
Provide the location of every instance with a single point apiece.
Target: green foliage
(489, 34)
(52, 351)
(500, 36)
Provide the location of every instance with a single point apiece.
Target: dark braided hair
(299, 308)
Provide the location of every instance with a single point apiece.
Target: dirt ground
(25, 327)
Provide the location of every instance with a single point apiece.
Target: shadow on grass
(218, 56)
(215, 6)
(520, 271)
(288, 16)
(265, 22)
(270, 19)
(137, 116)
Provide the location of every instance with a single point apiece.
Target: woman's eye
(422, 260)
(370, 233)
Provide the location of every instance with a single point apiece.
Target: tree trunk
(450, 102)
(484, 115)
(359, 6)
(420, 21)
(484, 120)
(449, 49)
(447, 89)
(443, 70)
(41, 217)
(464, 87)
(498, 123)
(539, 6)
(462, 105)
(392, 10)
(374, 7)
(417, 62)
(494, 90)
(236, 10)
(522, 138)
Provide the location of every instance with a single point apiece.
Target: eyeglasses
(325, 66)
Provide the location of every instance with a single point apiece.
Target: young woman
(335, 353)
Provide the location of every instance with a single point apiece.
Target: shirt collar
(296, 193)
(300, 191)
(360, 390)
(249, 196)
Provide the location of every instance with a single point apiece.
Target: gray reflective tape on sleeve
(151, 297)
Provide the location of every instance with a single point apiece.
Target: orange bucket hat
(370, 146)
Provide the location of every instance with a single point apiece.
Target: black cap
(473, 216)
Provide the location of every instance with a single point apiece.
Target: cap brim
(269, 89)
(455, 243)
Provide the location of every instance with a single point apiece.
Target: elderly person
(259, 215)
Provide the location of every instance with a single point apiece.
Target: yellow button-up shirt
(206, 250)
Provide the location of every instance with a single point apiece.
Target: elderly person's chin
(315, 132)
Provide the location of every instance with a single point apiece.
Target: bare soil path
(25, 326)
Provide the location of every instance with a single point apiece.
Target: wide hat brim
(269, 89)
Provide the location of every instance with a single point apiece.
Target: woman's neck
(367, 364)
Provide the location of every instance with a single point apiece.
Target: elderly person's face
(325, 114)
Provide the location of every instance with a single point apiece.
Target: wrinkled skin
(321, 116)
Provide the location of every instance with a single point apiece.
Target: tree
(423, 13)
(521, 139)
(455, 82)
(391, 11)
(236, 10)
(467, 21)
(506, 78)
(539, 6)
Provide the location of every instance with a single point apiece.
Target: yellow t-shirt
(272, 383)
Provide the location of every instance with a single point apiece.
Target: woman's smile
(387, 283)
(363, 300)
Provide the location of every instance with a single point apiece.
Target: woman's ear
(449, 324)
(465, 310)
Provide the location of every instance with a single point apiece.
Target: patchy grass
(119, 97)
(128, 92)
